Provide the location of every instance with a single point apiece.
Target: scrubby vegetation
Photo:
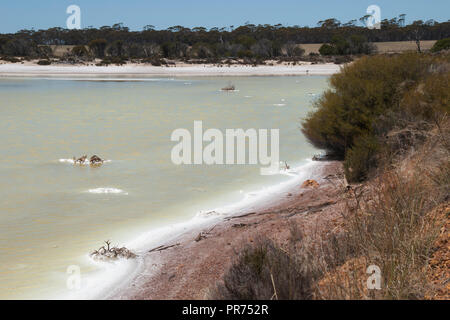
(392, 223)
(387, 117)
(266, 271)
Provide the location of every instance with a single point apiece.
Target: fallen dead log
(312, 209)
(240, 216)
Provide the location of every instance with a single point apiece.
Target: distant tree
(363, 19)
(119, 27)
(245, 54)
(3, 41)
(149, 27)
(358, 44)
(263, 49)
(98, 47)
(172, 49)
(256, 41)
(417, 32)
(293, 50)
(331, 23)
(202, 51)
(80, 51)
(401, 19)
(18, 47)
(246, 40)
(327, 50)
(351, 23)
(151, 49)
(116, 49)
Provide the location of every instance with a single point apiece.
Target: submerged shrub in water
(109, 253)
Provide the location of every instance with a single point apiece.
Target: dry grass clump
(265, 271)
(390, 225)
(438, 269)
(387, 228)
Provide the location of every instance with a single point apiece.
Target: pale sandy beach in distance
(29, 69)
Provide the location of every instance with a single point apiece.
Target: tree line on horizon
(248, 41)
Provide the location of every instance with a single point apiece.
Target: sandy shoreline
(189, 264)
(29, 69)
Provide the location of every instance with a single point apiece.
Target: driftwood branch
(163, 247)
(312, 209)
(112, 253)
(240, 216)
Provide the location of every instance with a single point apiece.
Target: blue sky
(42, 14)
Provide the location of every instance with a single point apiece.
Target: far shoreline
(33, 70)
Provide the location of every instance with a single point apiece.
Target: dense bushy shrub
(409, 87)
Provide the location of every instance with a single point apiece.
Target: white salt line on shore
(112, 279)
(11, 69)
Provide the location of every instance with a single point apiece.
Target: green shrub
(359, 94)
(370, 98)
(327, 50)
(442, 44)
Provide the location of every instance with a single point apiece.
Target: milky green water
(49, 219)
